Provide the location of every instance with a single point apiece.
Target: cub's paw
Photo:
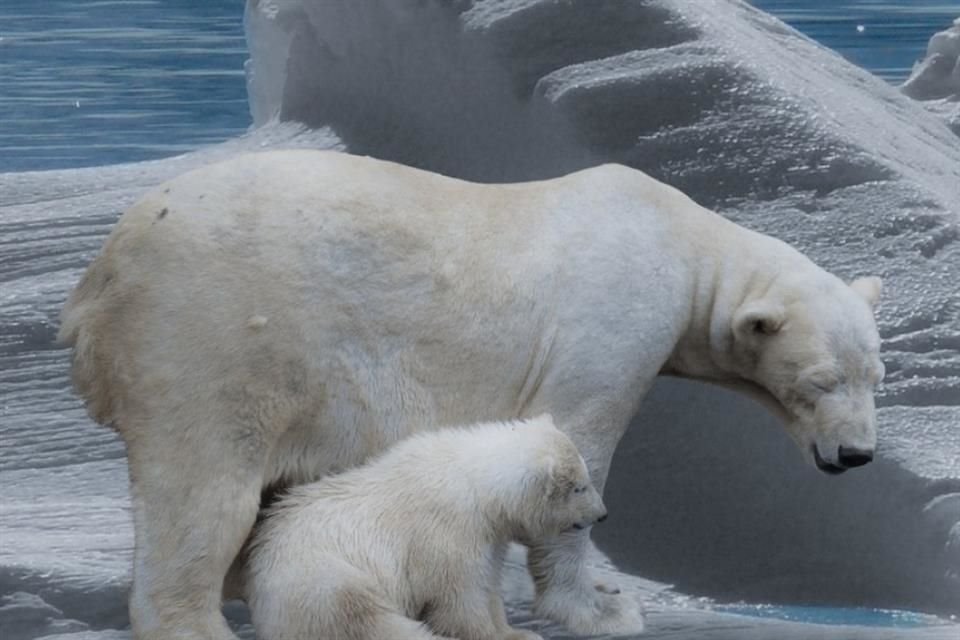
(592, 610)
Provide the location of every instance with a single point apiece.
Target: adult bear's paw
(591, 610)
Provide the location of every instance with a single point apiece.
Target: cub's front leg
(498, 614)
(473, 612)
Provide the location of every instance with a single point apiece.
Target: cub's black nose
(853, 457)
(602, 518)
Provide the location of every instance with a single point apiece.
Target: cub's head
(558, 493)
(814, 348)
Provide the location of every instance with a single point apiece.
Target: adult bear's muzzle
(847, 458)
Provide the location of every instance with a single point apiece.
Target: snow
(713, 96)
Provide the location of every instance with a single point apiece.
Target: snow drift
(712, 96)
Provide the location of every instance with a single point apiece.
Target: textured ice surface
(712, 96)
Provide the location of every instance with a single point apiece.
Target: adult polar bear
(288, 314)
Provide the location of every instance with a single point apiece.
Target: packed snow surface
(721, 100)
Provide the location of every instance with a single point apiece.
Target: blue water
(893, 34)
(835, 615)
(93, 82)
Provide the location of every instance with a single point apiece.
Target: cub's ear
(542, 420)
(758, 318)
(868, 288)
(546, 469)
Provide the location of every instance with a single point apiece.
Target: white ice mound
(936, 78)
(751, 118)
(938, 74)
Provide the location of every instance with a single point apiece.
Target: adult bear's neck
(728, 266)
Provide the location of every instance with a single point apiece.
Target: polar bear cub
(411, 544)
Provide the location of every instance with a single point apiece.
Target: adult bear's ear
(869, 289)
(758, 318)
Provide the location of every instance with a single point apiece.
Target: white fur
(398, 300)
(419, 533)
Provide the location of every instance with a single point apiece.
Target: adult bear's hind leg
(194, 503)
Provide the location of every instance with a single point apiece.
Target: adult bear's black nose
(602, 518)
(853, 457)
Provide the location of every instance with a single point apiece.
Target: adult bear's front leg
(194, 504)
(566, 590)
(567, 593)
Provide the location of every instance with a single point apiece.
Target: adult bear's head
(811, 345)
